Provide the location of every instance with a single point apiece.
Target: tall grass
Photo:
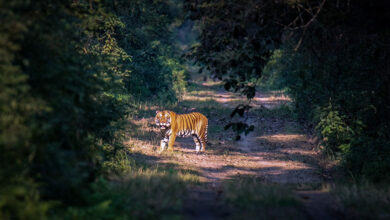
(134, 190)
(363, 200)
(251, 198)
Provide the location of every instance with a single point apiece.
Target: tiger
(171, 125)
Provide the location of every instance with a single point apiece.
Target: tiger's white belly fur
(182, 133)
(185, 133)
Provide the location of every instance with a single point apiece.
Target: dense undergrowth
(70, 74)
(347, 107)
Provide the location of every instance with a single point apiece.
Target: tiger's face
(163, 119)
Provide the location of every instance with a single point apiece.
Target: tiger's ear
(157, 111)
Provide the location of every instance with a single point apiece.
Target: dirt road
(278, 151)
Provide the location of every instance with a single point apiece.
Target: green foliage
(271, 78)
(316, 51)
(369, 157)
(156, 71)
(119, 164)
(234, 39)
(178, 77)
(69, 73)
(20, 199)
(80, 92)
(354, 121)
(335, 133)
(19, 194)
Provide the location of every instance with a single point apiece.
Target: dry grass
(252, 198)
(363, 200)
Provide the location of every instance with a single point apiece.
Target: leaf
(250, 91)
(227, 126)
(227, 86)
(241, 112)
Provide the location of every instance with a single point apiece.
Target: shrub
(335, 133)
(65, 81)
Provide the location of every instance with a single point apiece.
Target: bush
(66, 70)
(20, 199)
(369, 157)
(344, 100)
(335, 133)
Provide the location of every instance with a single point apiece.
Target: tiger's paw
(200, 152)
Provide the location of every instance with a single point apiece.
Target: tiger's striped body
(182, 125)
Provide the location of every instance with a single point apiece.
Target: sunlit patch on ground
(213, 83)
(220, 97)
(271, 99)
(276, 152)
(283, 138)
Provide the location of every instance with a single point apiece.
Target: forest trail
(277, 152)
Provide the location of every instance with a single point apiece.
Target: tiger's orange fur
(171, 124)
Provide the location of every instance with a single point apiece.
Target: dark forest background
(331, 56)
(72, 72)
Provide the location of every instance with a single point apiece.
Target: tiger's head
(163, 119)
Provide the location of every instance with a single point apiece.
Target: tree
(333, 53)
(67, 70)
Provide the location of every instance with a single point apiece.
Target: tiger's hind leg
(203, 138)
(197, 143)
(200, 143)
(203, 145)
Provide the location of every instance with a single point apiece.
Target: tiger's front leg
(163, 144)
(172, 138)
